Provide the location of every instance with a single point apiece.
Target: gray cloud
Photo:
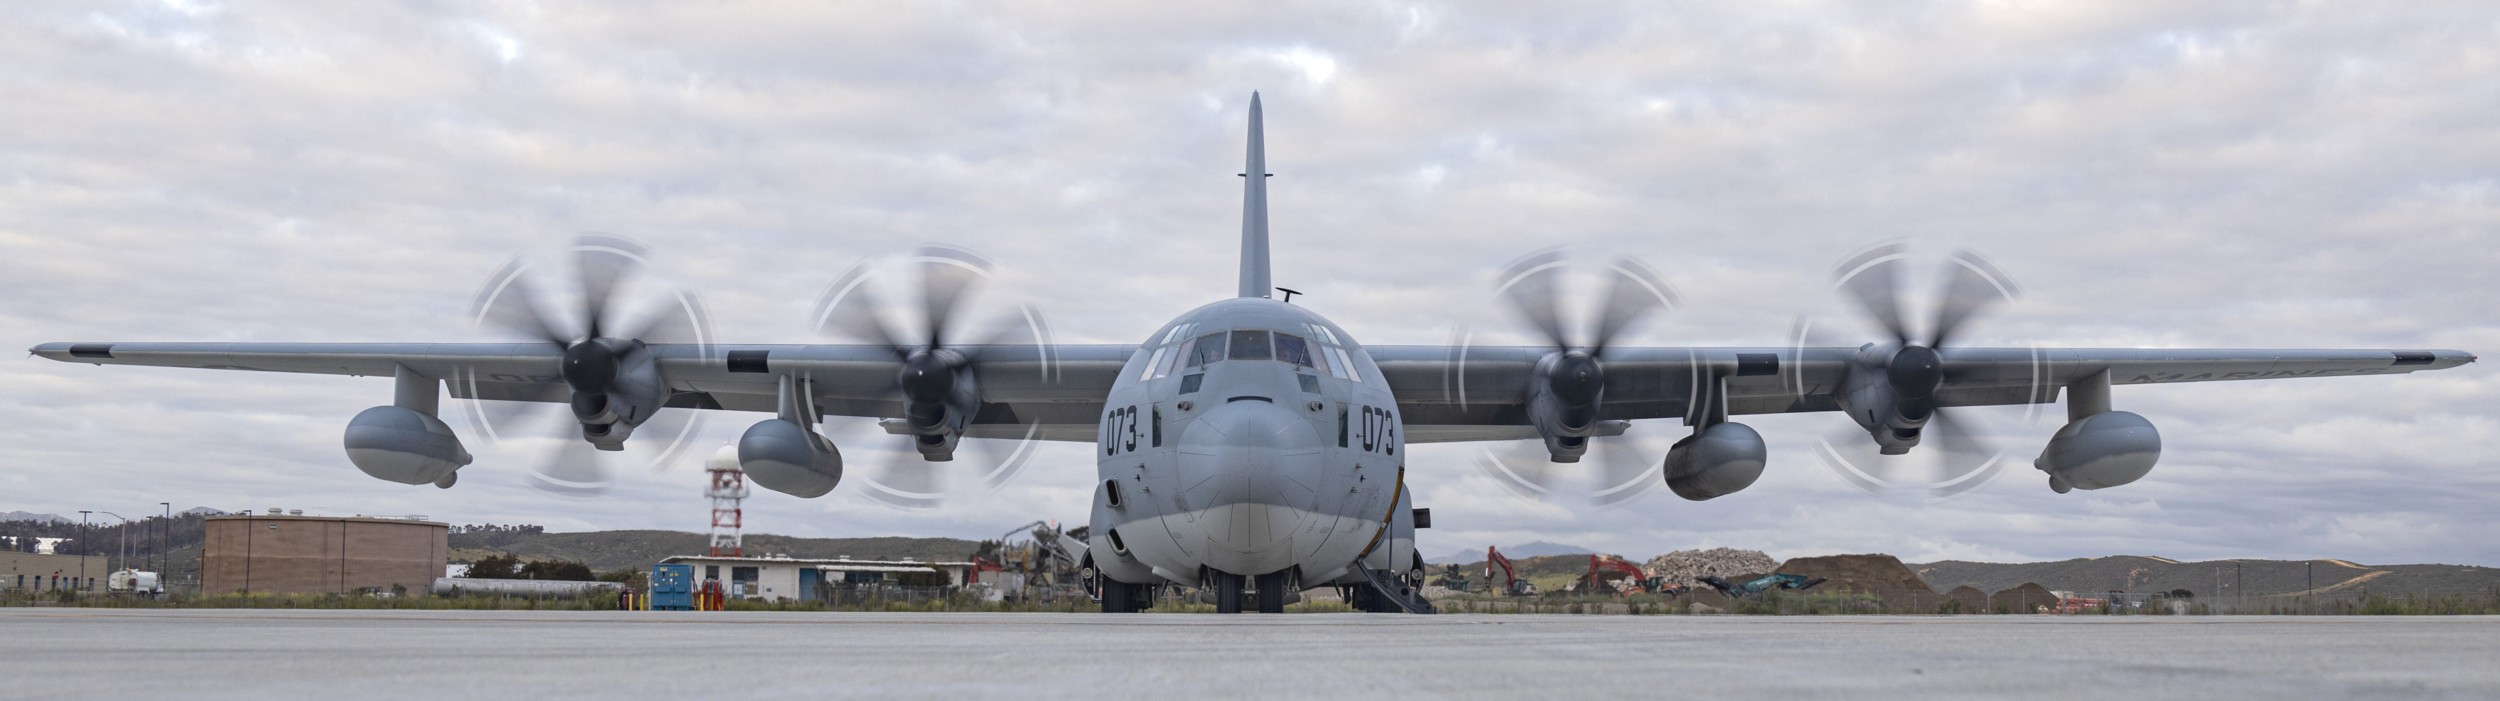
(2206, 175)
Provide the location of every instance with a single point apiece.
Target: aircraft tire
(1228, 588)
(1118, 596)
(1272, 591)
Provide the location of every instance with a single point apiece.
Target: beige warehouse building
(321, 554)
(33, 572)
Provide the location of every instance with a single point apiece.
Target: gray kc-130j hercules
(1250, 447)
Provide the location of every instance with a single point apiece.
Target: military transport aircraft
(1250, 447)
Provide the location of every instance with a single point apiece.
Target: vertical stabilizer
(1254, 278)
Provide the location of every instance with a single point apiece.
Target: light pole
(125, 546)
(165, 532)
(82, 551)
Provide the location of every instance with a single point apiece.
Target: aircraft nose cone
(1252, 466)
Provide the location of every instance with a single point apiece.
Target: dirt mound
(1881, 575)
(1967, 599)
(1684, 566)
(2027, 598)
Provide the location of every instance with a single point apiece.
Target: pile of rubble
(1682, 566)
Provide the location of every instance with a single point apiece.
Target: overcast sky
(2160, 174)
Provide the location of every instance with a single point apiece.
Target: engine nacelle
(403, 445)
(1720, 460)
(789, 458)
(2102, 450)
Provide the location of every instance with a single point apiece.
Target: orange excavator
(1634, 578)
(1509, 583)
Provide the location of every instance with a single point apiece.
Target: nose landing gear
(1265, 593)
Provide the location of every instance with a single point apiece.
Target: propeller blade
(1000, 459)
(1972, 286)
(904, 480)
(1633, 291)
(510, 304)
(1532, 287)
(1963, 460)
(947, 276)
(1872, 279)
(1628, 466)
(573, 469)
(680, 319)
(670, 431)
(1522, 468)
(850, 309)
(500, 420)
(600, 264)
(1856, 460)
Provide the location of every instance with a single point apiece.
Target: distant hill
(31, 516)
(2228, 577)
(1514, 552)
(614, 550)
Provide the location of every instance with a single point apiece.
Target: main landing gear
(1266, 593)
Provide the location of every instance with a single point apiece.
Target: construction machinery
(1037, 560)
(1632, 578)
(1509, 583)
(1756, 586)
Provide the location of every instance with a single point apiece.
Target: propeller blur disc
(932, 299)
(1955, 454)
(1571, 309)
(605, 282)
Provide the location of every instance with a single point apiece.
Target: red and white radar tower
(729, 488)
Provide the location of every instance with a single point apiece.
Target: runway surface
(280, 654)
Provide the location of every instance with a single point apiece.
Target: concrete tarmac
(287, 654)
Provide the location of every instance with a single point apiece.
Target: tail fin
(1254, 277)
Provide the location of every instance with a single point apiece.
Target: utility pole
(125, 546)
(82, 551)
(165, 533)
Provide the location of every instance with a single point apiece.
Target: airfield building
(33, 572)
(783, 578)
(294, 553)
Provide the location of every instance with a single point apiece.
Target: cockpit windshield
(1292, 349)
(1250, 344)
(1316, 352)
(1203, 349)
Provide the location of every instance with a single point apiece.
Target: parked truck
(135, 583)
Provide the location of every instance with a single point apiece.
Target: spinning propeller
(937, 373)
(1566, 390)
(610, 379)
(1892, 387)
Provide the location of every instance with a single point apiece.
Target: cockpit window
(1292, 349)
(1179, 331)
(1206, 349)
(1250, 344)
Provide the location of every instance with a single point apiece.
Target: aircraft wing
(1446, 394)
(1060, 387)
(1450, 394)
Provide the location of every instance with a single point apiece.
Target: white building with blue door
(786, 578)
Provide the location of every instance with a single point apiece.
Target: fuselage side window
(1206, 349)
(1250, 344)
(1178, 332)
(1292, 349)
(1350, 372)
(1154, 365)
(1322, 334)
(1163, 368)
